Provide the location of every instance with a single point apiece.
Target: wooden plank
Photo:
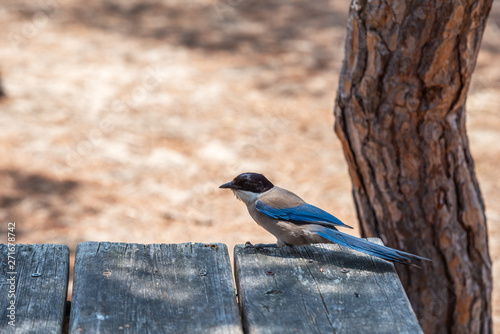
(37, 281)
(320, 289)
(174, 288)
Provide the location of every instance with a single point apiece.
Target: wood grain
(320, 289)
(40, 298)
(133, 288)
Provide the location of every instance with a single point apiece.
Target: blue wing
(366, 246)
(305, 213)
(325, 227)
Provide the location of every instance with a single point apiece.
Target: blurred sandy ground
(124, 117)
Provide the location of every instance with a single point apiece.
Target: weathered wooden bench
(189, 288)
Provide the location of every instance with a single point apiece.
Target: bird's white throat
(246, 196)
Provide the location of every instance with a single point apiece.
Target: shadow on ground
(41, 197)
(270, 27)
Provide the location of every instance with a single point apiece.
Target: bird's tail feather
(367, 247)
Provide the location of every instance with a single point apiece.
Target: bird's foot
(248, 244)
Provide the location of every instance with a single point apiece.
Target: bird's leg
(281, 243)
(248, 244)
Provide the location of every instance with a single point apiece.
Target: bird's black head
(253, 182)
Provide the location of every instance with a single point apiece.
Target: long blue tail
(365, 246)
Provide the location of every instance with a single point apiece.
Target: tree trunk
(400, 115)
(2, 93)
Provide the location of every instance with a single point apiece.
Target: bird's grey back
(280, 198)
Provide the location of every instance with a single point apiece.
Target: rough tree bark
(400, 115)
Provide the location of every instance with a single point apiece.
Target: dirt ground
(122, 118)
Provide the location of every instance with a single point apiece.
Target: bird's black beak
(228, 185)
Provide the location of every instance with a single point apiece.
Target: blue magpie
(295, 223)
